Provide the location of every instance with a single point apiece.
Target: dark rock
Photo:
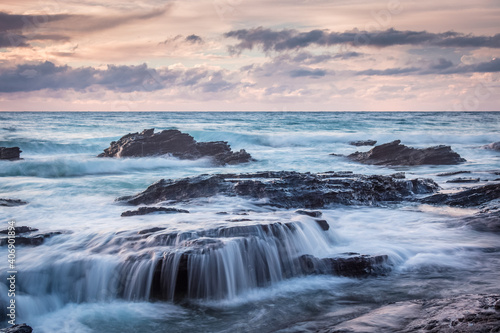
(152, 210)
(311, 213)
(20, 230)
(363, 143)
(22, 328)
(12, 202)
(349, 266)
(175, 143)
(239, 220)
(32, 240)
(464, 180)
(323, 224)
(394, 153)
(222, 213)
(288, 189)
(150, 231)
(468, 198)
(398, 175)
(453, 173)
(12, 153)
(493, 146)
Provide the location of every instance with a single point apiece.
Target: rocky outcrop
(32, 240)
(348, 265)
(153, 210)
(22, 328)
(468, 198)
(288, 189)
(174, 143)
(12, 153)
(363, 143)
(493, 146)
(11, 202)
(394, 153)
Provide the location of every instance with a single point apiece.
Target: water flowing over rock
(492, 146)
(175, 143)
(464, 180)
(22, 328)
(11, 202)
(154, 210)
(452, 173)
(394, 153)
(288, 189)
(12, 153)
(32, 240)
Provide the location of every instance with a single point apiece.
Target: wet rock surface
(394, 153)
(350, 265)
(468, 198)
(12, 202)
(153, 210)
(288, 189)
(12, 153)
(32, 240)
(175, 143)
(464, 180)
(20, 230)
(363, 143)
(452, 173)
(22, 328)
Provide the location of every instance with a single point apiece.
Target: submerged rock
(464, 180)
(493, 146)
(175, 143)
(12, 202)
(394, 153)
(363, 143)
(288, 189)
(153, 210)
(452, 173)
(22, 328)
(20, 230)
(32, 240)
(12, 153)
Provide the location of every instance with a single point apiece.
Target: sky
(242, 55)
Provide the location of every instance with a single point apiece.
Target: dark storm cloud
(288, 39)
(32, 77)
(194, 39)
(307, 72)
(19, 22)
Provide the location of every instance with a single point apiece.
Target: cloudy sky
(224, 55)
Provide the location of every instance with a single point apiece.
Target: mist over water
(97, 275)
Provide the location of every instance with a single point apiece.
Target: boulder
(12, 153)
(311, 213)
(394, 153)
(363, 143)
(174, 143)
(348, 265)
(492, 146)
(153, 210)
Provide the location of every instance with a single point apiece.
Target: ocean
(89, 280)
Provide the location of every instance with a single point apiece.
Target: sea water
(84, 280)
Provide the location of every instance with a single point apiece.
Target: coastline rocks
(22, 328)
(492, 146)
(464, 180)
(12, 202)
(12, 153)
(363, 143)
(175, 143)
(32, 240)
(20, 230)
(453, 173)
(311, 213)
(288, 189)
(350, 265)
(153, 210)
(468, 198)
(394, 153)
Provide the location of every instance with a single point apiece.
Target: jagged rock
(12, 153)
(311, 213)
(468, 198)
(363, 143)
(493, 146)
(153, 210)
(12, 202)
(287, 189)
(453, 173)
(394, 153)
(32, 240)
(22, 328)
(464, 180)
(352, 265)
(20, 230)
(175, 143)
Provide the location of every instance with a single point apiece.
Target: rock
(468, 198)
(352, 265)
(150, 231)
(287, 189)
(453, 173)
(13, 153)
(12, 202)
(175, 143)
(32, 240)
(394, 153)
(239, 220)
(323, 224)
(153, 210)
(311, 213)
(20, 230)
(22, 328)
(493, 146)
(464, 180)
(363, 143)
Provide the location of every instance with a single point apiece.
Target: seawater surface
(85, 280)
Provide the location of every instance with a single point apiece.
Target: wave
(55, 167)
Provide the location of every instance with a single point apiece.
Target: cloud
(194, 39)
(307, 72)
(289, 39)
(46, 75)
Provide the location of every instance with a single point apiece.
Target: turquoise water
(64, 283)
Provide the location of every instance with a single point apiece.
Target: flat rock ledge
(394, 153)
(10, 153)
(288, 189)
(174, 143)
(153, 210)
(12, 202)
